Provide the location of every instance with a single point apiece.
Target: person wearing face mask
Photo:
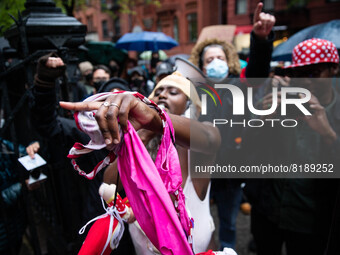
(86, 69)
(114, 68)
(219, 62)
(83, 87)
(139, 82)
(101, 74)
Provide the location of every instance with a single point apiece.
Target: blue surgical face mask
(217, 69)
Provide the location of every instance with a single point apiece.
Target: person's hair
(205, 50)
(103, 67)
(229, 51)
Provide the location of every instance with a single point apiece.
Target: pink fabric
(87, 123)
(147, 184)
(149, 198)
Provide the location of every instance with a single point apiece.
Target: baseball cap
(314, 51)
(137, 69)
(164, 68)
(114, 83)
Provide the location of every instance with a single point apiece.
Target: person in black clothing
(78, 197)
(295, 211)
(219, 62)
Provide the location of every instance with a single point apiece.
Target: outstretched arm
(205, 138)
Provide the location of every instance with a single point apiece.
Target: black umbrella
(329, 31)
(102, 53)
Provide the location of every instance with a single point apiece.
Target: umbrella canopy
(143, 41)
(146, 55)
(102, 53)
(329, 31)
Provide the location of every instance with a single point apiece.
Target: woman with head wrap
(178, 96)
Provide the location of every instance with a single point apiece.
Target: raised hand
(318, 121)
(262, 22)
(54, 62)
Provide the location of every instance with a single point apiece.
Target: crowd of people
(300, 213)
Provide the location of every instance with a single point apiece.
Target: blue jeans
(228, 199)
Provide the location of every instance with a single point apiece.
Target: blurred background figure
(138, 81)
(114, 68)
(114, 85)
(163, 69)
(154, 62)
(128, 64)
(86, 70)
(101, 74)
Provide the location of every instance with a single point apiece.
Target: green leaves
(9, 7)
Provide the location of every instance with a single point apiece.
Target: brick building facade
(184, 19)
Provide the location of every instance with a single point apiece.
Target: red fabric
(243, 29)
(314, 51)
(97, 236)
(210, 252)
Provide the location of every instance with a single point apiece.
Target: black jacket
(77, 197)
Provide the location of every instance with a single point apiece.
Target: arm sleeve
(259, 56)
(43, 110)
(335, 152)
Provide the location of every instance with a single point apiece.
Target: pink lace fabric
(149, 197)
(148, 184)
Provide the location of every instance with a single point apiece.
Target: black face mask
(88, 77)
(114, 69)
(98, 84)
(137, 83)
(138, 86)
(154, 62)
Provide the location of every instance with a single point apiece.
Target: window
(297, 3)
(268, 4)
(103, 4)
(105, 28)
(90, 27)
(176, 33)
(224, 12)
(241, 6)
(192, 27)
(159, 25)
(117, 25)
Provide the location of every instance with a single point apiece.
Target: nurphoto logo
(301, 97)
